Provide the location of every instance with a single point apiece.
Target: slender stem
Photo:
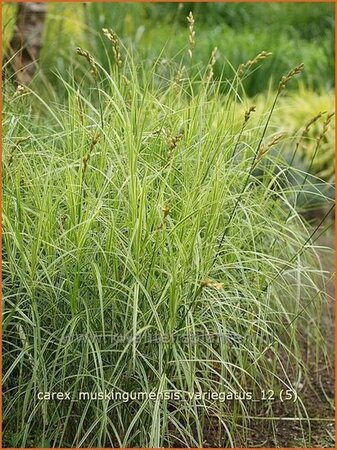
(246, 181)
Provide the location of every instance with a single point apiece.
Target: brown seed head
(284, 80)
(325, 126)
(112, 36)
(166, 211)
(268, 146)
(311, 122)
(90, 60)
(211, 64)
(20, 90)
(248, 113)
(260, 57)
(191, 34)
(172, 140)
(85, 161)
(208, 283)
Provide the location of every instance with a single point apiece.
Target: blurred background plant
(240, 31)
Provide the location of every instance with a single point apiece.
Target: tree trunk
(24, 48)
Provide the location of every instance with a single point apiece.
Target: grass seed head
(20, 90)
(112, 36)
(15, 146)
(191, 34)
(178, 78)
(307, 128)
(90, 59)
(284, 80)
(11, 154)
(94, 140)
(171, 139)
(268, 146)
(312, 122)
(208, 283)
(126, 80)
(247, 65)
(325, 126)
(179, 75)
(248, 113)
(85, 161)
(211, 64)
(166, 211)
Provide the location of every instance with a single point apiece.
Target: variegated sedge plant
(152, 245)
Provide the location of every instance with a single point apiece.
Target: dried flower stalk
(94, 140)
(191, 34)
(267, 147)
(325, 127)
(90, 60)
(208, 283)
(248, 113)
(284, 80)
(212, 61)
(112, 36)
(243, 67)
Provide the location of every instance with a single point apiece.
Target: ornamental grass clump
(149, 249)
